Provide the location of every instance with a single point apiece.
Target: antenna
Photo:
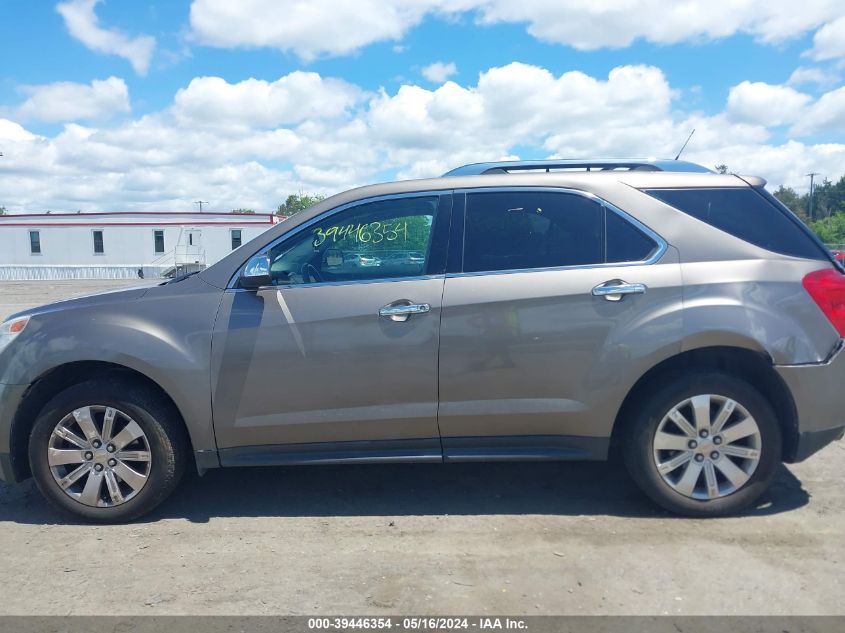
(684, 146)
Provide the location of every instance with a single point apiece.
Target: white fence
(20, 273)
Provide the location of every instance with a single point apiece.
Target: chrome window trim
(319, 284)
(233, 282)
(662, 245)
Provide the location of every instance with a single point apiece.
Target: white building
(118, 245)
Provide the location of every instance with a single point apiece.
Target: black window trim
(457, 269)
(439, 239)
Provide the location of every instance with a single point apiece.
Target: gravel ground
(529, 539)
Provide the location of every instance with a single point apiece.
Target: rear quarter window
(746, 214)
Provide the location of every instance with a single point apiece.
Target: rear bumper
(818, 391)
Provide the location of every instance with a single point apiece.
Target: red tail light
(827, 288)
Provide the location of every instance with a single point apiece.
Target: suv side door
(338, 357)
(556, 305)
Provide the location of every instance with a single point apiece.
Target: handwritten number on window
(372, 232)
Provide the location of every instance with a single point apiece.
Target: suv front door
(536, 352)
(338, 357)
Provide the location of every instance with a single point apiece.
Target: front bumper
(10, 399)
(818, 391)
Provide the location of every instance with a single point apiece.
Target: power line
(812, 176)
(200, 203)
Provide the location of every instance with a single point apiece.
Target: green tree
(791, 199)
(722, 168)
(831, 230)
(3, 211)
(243, 211)
(297, 202)
(828, 220)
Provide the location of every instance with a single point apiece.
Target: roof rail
(621, 164)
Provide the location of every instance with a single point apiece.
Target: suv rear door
(555, 305)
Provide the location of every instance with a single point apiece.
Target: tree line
(292, 205)
(827, 215)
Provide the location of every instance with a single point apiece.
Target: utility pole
(200, 203)
(812, 177)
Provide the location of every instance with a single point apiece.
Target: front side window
(236, 238)
(517, 230)
(35, 242)
(98, 242)
(158, 241)
(376, 240)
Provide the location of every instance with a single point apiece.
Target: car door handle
(616, 289)
(400, 311)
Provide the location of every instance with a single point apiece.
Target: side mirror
(256, 273)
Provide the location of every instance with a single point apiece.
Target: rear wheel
(107, 451)
(706, 444)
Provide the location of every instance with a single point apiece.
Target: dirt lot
(425, 539)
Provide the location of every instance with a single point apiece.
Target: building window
(98, 242)
(35, 242)
(236, 238)
(158, 241)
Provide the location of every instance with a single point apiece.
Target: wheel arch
(755, 367)
(59, 378)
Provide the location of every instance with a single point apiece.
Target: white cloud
(250, 143)
(829, 41)
(327, 27)
(438, 72)
(83, 24)
(807, 75)
(765, 104)
(11, 131)
(608, 23)
(253, 102)
(310, 29)
(827, 115)
(69, 101)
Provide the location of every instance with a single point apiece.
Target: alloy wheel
(707, 447)
(99, 456)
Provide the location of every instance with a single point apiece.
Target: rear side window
(745, 214)
(517, 230)
(625, 242)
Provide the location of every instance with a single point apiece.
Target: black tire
(643, 424)
(155, 415)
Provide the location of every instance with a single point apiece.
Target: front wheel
(706, 444)
(107, 451)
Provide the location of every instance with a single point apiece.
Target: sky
(124, 105)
